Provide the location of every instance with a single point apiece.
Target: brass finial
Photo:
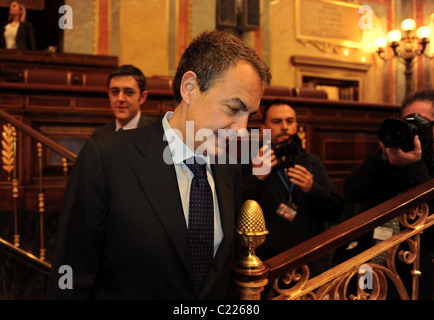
(251, 220)
(251, 230)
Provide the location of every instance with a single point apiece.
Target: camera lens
(394, 133)
(401, 133)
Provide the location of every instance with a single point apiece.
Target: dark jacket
(25, 37)
(376, 181)
(322, 204)
(122, 228)
(111, 126)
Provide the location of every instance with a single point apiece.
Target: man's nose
(240, 123)
(121, 96)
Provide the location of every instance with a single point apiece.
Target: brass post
(65, 168)
(41, 203)
(15, 189)
(9, 159)
(416, 270)
(250, 274)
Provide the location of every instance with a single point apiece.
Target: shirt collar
(132, 124)
(179, 150)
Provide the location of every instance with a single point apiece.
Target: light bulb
(380, 42)
(424, 32)
(394, 36)
(408, 24)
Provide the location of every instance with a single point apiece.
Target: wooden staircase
(26, 237)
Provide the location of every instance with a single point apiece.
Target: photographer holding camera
(297, 196)
(403, 161)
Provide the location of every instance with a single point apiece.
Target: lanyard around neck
(285, 182)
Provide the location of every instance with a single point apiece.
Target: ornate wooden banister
(64, 152)
(10, 165)
(318, 246)
(349, 230)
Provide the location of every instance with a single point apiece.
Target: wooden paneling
(342, 134)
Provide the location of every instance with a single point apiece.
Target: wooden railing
(290, 267)
(288, 274)
(9, 161)
(38, 136)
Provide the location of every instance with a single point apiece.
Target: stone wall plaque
(328, 21)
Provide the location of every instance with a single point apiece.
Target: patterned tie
(200, 223)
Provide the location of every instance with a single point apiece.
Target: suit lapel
(224, 191)
(157, 180)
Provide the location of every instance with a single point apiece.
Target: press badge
(382, 233)
(287, 209)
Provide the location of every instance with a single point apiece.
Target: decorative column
(102, 27)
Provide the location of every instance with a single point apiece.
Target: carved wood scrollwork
(8, 156)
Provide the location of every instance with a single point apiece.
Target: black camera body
(400, 133)
(285, 152)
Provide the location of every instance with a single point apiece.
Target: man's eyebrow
(282, 119)
(238, 102)
(123, 88)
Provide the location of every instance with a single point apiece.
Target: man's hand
(264, 160)
(398, 158)
(301, 177)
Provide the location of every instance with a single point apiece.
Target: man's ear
(188, 86)
(143, 97)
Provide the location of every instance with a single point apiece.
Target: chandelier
(406, 45)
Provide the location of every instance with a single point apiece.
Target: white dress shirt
(10, 35)
(178, 153)
(132, 124)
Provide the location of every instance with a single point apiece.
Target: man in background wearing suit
(125, 226)
(127, 92)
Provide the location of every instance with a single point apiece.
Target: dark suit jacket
(25, 37)
(122, 227)
(111, 126)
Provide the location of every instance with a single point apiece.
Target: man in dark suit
(390, 171)
(127, 92)
(297, 197)
(125, 225)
